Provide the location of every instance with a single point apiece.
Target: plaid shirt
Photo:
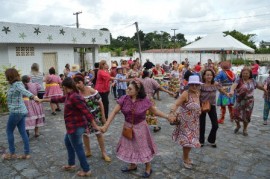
(119, 84)
(76, 113)
(15, 98)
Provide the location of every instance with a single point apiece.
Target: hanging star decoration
(106, 41)
(22, 36)
(37, 31)
(74, 40)
(49, 37)
(83, 34)
(5, 29)
(100, 34)
(62, 32)
(93, 40)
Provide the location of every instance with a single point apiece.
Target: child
(121, 84)
(35, 117)
(266, 97)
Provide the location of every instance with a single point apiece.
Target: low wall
(162, 57)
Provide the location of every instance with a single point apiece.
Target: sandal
(187, 165)
(128, 169)
(24, 156)
(69, 167)
(156, 129)
(9, 156)
(84, 174)
(236, 129)
(147, 175)
(106, 158)
(88, 154)
(245, 133)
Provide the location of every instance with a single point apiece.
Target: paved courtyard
(235, 157)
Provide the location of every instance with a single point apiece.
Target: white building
(21, 45)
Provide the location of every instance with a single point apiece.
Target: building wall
(4, 56)
(64, 54)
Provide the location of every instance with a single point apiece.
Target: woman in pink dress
(141, 148)
(187, 109)
(53, 89)
(36, 116)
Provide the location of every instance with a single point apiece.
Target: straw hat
(75, 67)
(194, 79)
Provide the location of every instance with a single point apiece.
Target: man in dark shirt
(148, 65)
(96, 65)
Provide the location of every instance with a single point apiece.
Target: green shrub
(3, 90)
(240, 61)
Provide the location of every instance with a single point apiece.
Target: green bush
(3, 90)
(240, 61)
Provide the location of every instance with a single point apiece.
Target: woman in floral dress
(95, 106)
(244, 88)
(187, 109)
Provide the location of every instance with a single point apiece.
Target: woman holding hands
(244, 88)
(141, 148)
(187, 109)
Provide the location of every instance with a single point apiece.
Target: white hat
(119, 67)
(75, 68)
(194, 79)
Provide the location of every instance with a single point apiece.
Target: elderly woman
(151, 85)
(103, 84)
(187, 108)
(17, 113)
(37, 77)
(133, 72)
(141, 147)
(244, 88)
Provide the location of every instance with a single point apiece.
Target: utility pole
(174, 37)
(139, 42)
(77, 19)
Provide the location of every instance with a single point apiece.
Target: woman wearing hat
(226, 78)
(187, 109)
(75, 69)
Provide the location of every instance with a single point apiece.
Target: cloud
(192, 18)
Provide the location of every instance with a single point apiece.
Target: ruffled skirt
(141, 149)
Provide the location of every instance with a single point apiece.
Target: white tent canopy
(217, 42)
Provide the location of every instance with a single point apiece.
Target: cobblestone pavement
(235, 157)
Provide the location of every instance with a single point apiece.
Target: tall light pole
(174, 37)
(139, 42)
(77, 19)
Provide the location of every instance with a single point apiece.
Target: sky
(192, 18)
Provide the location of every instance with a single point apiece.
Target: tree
(245, 39)
(180, 39)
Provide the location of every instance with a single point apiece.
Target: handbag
(128, 131)
(206, 106)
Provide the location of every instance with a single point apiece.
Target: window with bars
(25, 51)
